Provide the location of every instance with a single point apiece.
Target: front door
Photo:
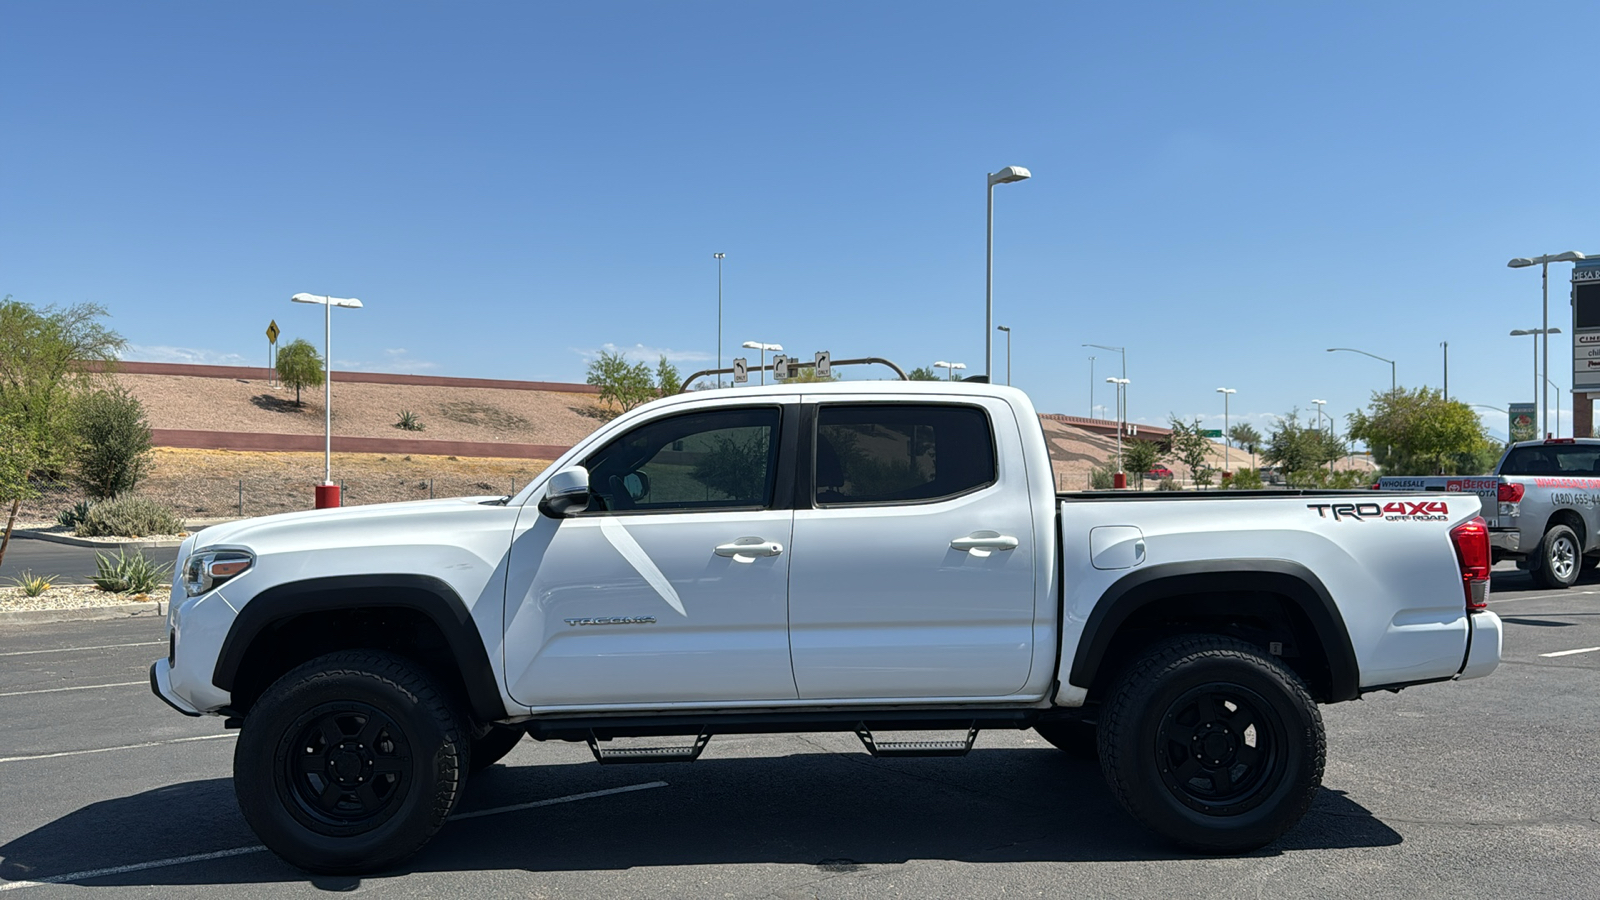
(672, 587)
(913, 572)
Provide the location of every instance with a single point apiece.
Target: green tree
(923, 373)
(1418, 432)
(1138, 457)
(1296, 449)
(1191, 447)
(623, 383)
(300, 366)
(113, 451)
(1246, 438)
(48, 356)
(668, 381)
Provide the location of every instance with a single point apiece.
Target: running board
(916, 748)
(622, 755)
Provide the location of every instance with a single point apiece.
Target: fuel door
(1116, 547)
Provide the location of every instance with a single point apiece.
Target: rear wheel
(1213, 744)
(349, 763)
(1559, 558)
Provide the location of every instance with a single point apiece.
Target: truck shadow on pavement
(837, 812)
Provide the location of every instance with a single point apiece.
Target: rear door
(913, 567)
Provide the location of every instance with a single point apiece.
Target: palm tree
(1246, 438)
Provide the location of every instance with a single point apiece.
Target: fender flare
(425, 594)
(1139, 589)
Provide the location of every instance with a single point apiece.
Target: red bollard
(327, 496)
(1119, 480)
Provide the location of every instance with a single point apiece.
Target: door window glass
(898, 453)
(720, 459)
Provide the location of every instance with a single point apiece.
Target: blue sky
(1225, 189)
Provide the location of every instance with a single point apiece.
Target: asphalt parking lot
(1489, 788)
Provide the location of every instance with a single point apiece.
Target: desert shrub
(128, 517)
(1101, 478)
(409, 421)
(126, 574)
(34, 585)
(1167, 484)
(1246, 480)
(1351, 478)
(113, 450)
(73, 515)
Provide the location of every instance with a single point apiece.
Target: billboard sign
(1521, 424)
(1586, 325)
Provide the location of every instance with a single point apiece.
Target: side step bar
(622, 755)
(892, 749)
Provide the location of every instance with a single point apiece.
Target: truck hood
(347, 522)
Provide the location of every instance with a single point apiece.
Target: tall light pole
(1008, 351)
(951, 366)
(1392, 383)
(1122, 386)
(1320, 404)
(1538, 416)
(719, 257)
(1123, 353)
(327, 494)
(1004, 176)
(1226, 438)
(757, 345)
(1543, 262)
(1446, 346)
(1091, 387)
(1558, 406)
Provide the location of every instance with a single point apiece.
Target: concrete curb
(149, 610)
(85, 542)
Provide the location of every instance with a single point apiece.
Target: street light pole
(1539, 415)
(719, 257)
(1091, 387)
(1226, 446)
(1446, 346)
(1543, 262)
(1392, 382)
(1008, 351)
(1320, 404)
(1006, 175)
(1123, 353)
(1122, 385)
(950, 367)
(757, 345)
(327, 494)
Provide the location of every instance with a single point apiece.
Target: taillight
(1471, 539)
(1510, 493)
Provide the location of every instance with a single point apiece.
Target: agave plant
(124, 574)
(409, 421)
(34, 585)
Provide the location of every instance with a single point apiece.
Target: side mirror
(567, 493)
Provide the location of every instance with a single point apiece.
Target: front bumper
(161, 686)
(1483, 651)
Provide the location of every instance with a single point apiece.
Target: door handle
(985, 540)
(749, 547)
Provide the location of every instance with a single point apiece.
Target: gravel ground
(67, 596)
(368, 410)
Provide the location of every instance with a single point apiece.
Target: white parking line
(257, 848)
(203, 737)
(86, 687)
(1571, 652)
(71, 649)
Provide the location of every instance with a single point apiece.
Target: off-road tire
(492, 747)
(350, 763)
(1169, 717)
(1074, 737)
(1560, 559)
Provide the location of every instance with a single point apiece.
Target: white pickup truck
(867, 557)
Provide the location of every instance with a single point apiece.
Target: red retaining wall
(272, 443)
(261, 373)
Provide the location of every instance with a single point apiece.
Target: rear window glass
(1553, 459)
(899, 453)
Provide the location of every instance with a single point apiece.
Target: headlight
(207, 569)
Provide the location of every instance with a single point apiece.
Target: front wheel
(1212, 744)
(1560, 558)
(349, 763)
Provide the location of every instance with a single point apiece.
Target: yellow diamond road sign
(272, 331)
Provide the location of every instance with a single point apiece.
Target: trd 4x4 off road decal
(1396, 511)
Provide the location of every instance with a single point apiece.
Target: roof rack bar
(797, 364)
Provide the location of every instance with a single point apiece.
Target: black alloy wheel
(1219, 747)
(349, 767)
